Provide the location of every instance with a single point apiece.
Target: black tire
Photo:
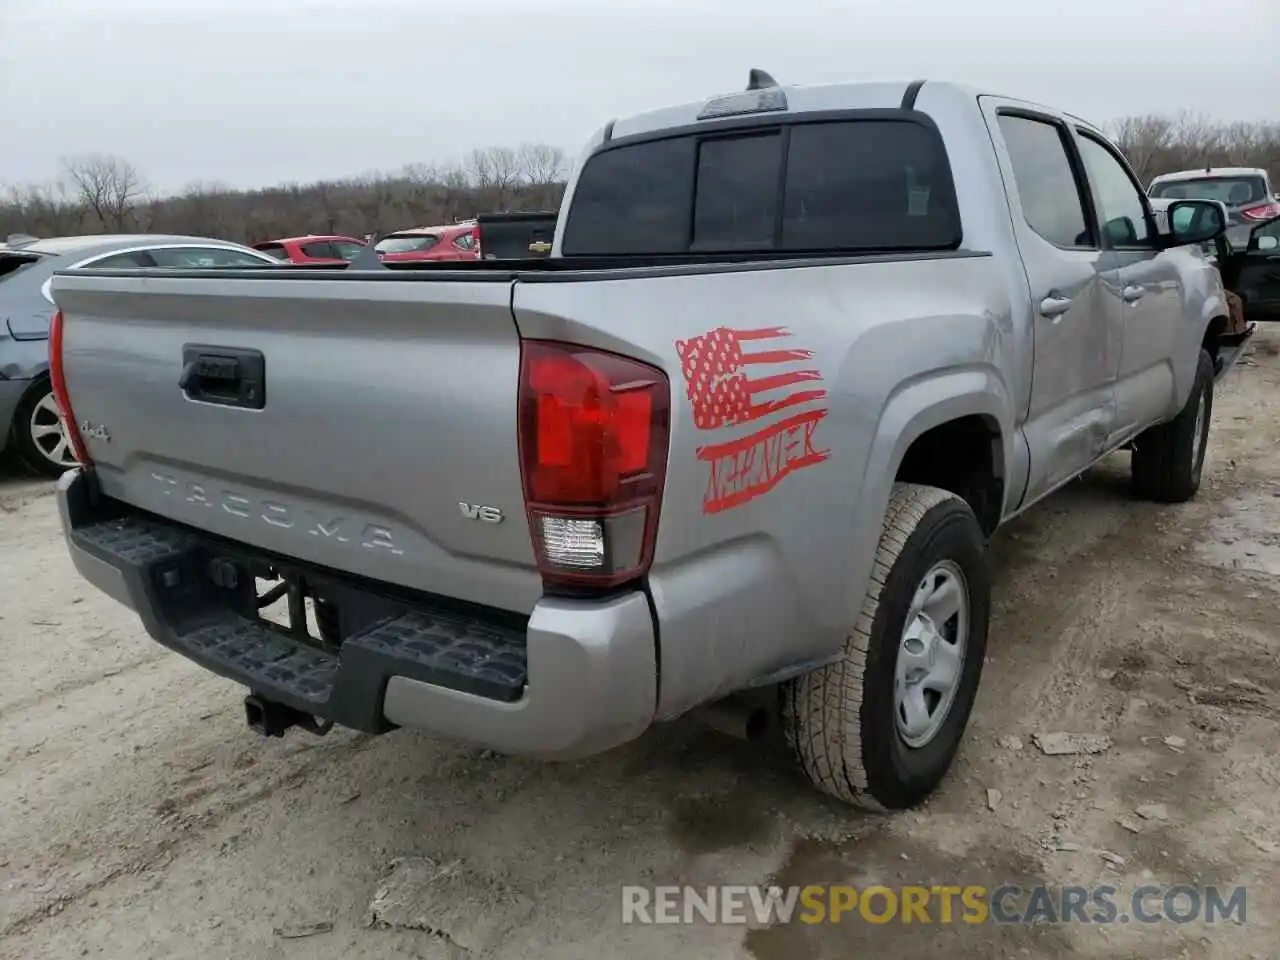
(840, 720)
(1168, 459)
(24, 441)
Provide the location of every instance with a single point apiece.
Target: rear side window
(275, 250)
(863, 185)
(132, 260)
(1047, 188)
(192, 258)
(846, 185)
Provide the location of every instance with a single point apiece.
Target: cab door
(1144, 306)
(1071, 410)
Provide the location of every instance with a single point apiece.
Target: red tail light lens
(1266, 211)
(58, 381)
(594, 428)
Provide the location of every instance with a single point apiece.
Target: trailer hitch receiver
(272, 719)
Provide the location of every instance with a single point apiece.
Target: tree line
(101, 193)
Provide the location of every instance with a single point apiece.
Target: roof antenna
(758, 79)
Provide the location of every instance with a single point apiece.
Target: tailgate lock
(227, 376)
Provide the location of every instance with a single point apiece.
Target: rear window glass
(275, 250)
(737, 199)
(837, 185)
(1232, 191)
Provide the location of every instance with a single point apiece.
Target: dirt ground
(140, 818)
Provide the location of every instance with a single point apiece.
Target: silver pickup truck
(742, 437)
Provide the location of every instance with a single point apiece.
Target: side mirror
(1195, 221)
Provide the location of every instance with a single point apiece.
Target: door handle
(1054, 306)
(1132, 294)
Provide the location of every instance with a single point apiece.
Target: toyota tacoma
(741, 438)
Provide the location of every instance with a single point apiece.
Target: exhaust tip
(736, 717)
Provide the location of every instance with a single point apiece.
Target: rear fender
(913, 410)
(23, 359)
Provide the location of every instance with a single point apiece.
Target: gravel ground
(140, 818)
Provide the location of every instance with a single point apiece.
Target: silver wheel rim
(1197, 438)
(931, 654)
(48, 434)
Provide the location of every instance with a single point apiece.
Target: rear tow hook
(272, 719)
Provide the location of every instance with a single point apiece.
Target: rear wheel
(38, 438)
(1168, 459)
(880, 727)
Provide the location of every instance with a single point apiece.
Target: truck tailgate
(388, 408)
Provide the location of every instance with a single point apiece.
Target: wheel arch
(936, 410)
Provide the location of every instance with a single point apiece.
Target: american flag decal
(738, 377)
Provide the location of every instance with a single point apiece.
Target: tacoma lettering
(328, 527)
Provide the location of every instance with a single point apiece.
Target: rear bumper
(577, 678)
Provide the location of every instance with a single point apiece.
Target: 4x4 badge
(95, 431)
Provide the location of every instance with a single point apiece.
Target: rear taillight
(58, 380)
(593, 448)
(1266, 211)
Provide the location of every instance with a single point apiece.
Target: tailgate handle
(227, 376)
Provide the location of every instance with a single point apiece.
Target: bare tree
(541, 164)
(43, 209)
(205, 208)
(1158, 144)
(108, 186)
(495, 172)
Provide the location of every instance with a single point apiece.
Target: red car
(458, 241)
(312, 249)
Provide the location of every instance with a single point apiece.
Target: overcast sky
(252, 92)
